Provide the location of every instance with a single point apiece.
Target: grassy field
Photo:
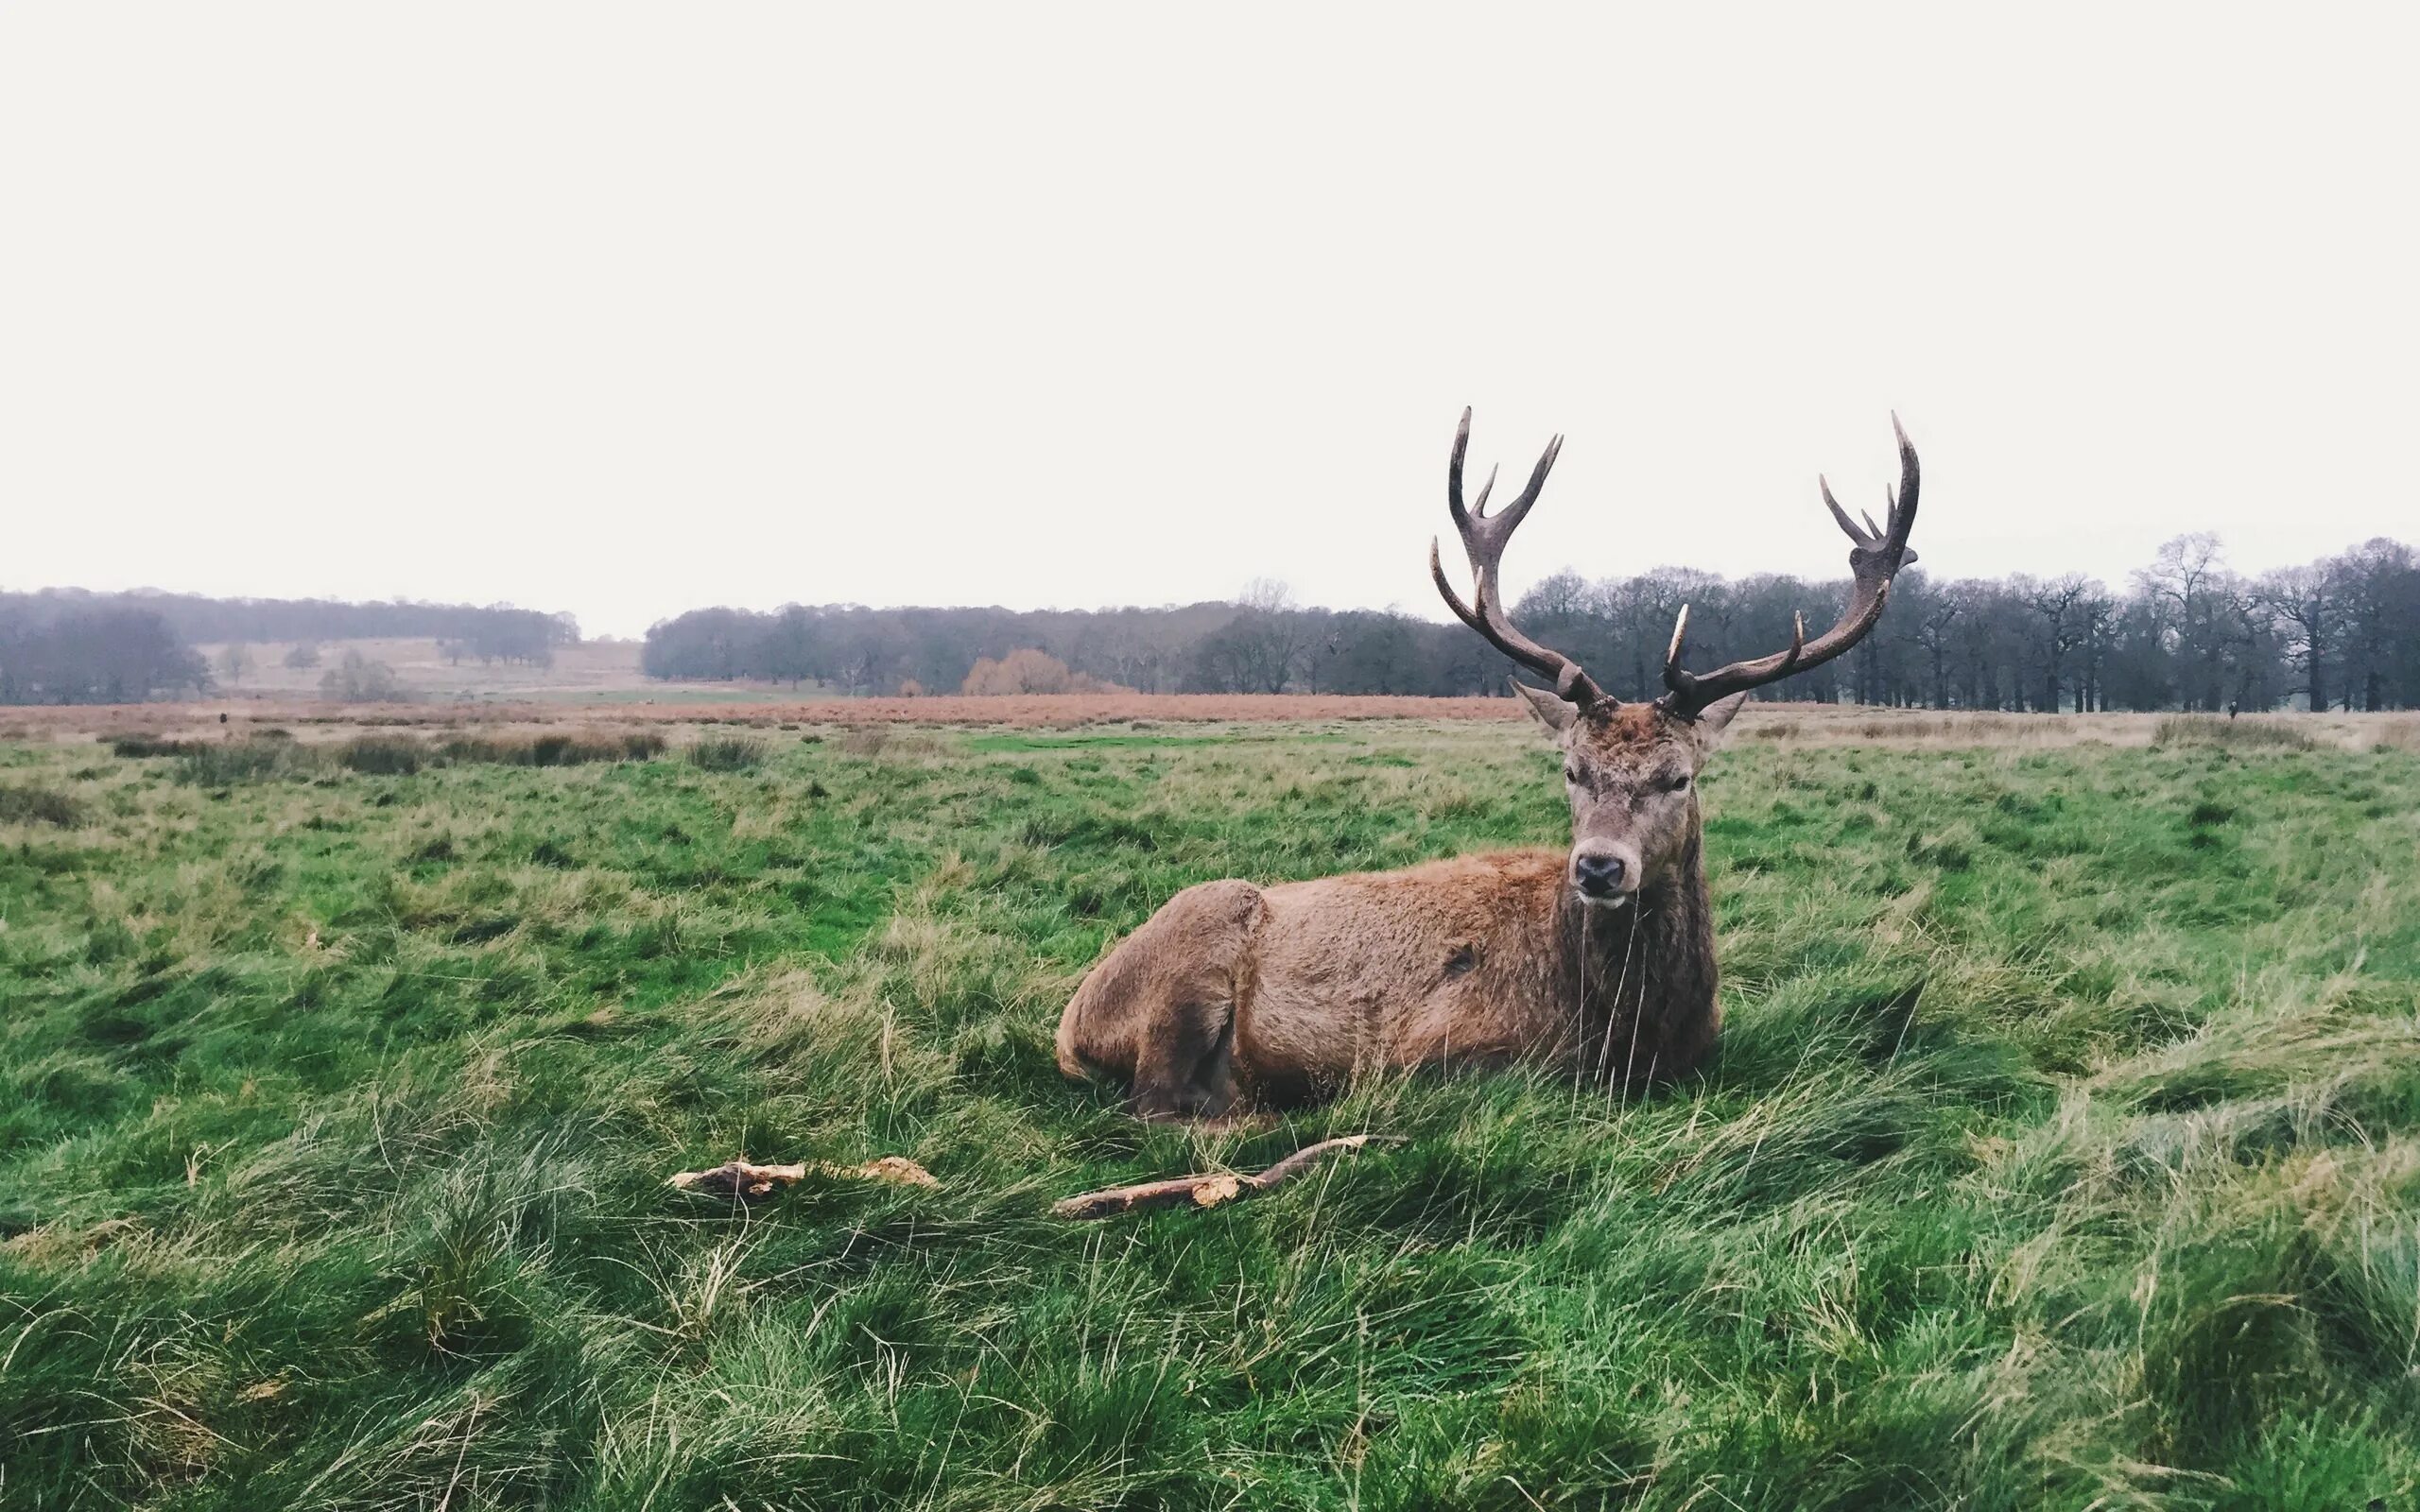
(2065, 1151)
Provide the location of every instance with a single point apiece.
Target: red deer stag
(1599, 960)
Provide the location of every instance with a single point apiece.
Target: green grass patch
(2064, 1152)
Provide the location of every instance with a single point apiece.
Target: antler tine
(1875, 555)
(1454, 472)
(1483, 538)
(1511, 514)
(1453, 600)
(1839, 514)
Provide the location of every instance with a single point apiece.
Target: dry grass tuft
(40, 805)
(2249, 732)
(728, 753)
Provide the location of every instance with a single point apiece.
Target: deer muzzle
(1604, 875)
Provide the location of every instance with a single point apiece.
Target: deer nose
(1599, 876)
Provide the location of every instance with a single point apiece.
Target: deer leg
(1159, 1011)
(1215, 1077)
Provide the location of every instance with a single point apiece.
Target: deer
(1596, 960)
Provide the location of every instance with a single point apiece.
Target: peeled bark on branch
(1207, 1188)
(748, 1183)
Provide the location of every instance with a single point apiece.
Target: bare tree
(1932, 635)
(359, 680)
(2094, 614)
(1270, 595)
(2380, 649)
(2189, 583)
(2304, 601)
(2058, 629)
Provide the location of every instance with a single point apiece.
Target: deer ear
(1551, 710)
(1716, 718)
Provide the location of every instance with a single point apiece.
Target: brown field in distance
(597, 684)
(315, 719)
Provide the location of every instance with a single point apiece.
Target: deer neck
(1643, 975)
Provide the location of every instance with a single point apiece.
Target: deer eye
(1571, 775)
(1676, 783)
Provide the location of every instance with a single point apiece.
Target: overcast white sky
(627, 310)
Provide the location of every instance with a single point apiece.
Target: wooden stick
(739, 1178)
(1207, 1188)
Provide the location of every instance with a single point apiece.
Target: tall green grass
(2065, 1150)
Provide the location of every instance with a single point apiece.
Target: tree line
(499, 631)
(1213, 647)
(2184, 632)
(68, 646)
(94, 656)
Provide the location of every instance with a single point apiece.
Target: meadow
(2063, 1151)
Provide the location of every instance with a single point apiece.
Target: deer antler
(1874, 557)
(1483, 538)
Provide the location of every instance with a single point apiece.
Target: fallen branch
(751, 1182)
(1207, 1188)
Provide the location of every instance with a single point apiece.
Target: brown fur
(1236, 996)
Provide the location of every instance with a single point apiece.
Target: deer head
(1630, 768)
